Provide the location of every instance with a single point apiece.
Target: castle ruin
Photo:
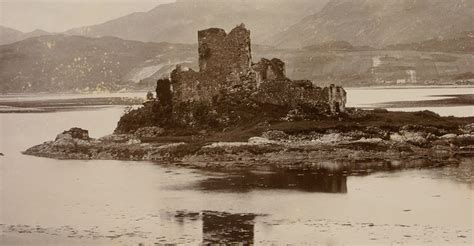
(225, 65)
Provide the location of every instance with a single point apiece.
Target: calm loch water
(57, 202)
(374, 97)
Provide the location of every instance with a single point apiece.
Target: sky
(62, 15)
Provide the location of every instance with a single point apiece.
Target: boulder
(149, 132)
(333, 138)
(448, 136)
(76, 133)
(369, 140)
(416, 138)
(468, 129)
(441, 149)
(116, 138)
(260, 140)
(64, 140)
(275, 135)
(134, 141)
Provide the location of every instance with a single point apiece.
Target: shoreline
(391, 138)
(38, 105)
(265, 156)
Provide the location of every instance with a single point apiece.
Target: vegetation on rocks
(358, 136)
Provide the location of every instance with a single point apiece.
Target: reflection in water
(308, 181)
(462, 172)
(94, 206)
(221, 227)
(325, 177)
(228, 228)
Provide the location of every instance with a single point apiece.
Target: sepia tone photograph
(236, 122)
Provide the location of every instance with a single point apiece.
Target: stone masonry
(225, 62)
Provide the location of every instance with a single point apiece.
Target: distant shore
(56, 103)
(44, 102)
(445, 101)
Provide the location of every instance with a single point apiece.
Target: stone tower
(225, 64)
(221, 53)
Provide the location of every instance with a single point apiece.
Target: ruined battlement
(224, 59)
(273, 69)
(224, 53)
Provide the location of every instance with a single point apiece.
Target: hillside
(61, 63)
(374, 67)
(463, 43)
(10, 35)
(178, 22)
(336, 46)
(70, 63)
(380, 23)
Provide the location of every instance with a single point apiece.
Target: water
(21, 97)
(57, 202)
(373, 97)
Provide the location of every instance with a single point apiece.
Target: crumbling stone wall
(164, 92)
(189, 85)
(337, 98)
(269, 70)
(288, 93)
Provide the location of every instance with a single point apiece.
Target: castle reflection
(226, 228)
(325, 177)
(307, 181)
(219, 227)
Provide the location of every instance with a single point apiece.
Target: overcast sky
(61, 15)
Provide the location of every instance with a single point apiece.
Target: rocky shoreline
(408, 144)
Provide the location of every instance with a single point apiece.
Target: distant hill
(178, 22)
(379, 23)
(59, 63)
(62, 63)
(368, 67)
(336, 46)
(460, 43)
(10, 35)
(463, 43)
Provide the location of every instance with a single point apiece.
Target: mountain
(59, 63)
(379, 23)
(178, 22)
(10, 35)
(35, 33)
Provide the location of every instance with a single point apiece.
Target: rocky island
(237, 113)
